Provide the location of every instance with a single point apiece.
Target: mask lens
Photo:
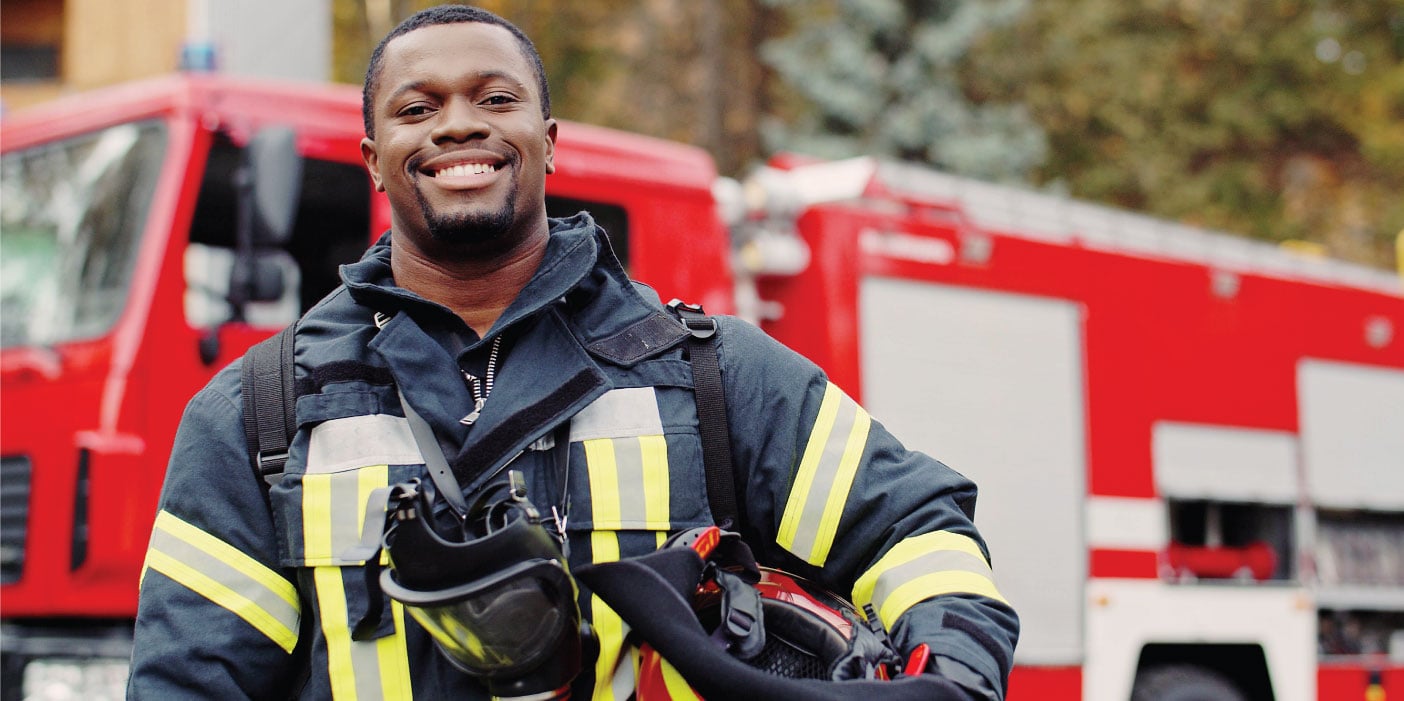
(510, 626)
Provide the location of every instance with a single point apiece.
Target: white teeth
(466, 169)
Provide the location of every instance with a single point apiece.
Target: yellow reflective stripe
(331, 598)
(331, 592)
(333, 511)
(825, 477)
(809, 464)
(678, 688)
(654, 450)
(228, 554)
(394, 658)
(629, 490)
(390, 651)
(604, 546)
(935, 584)
(921, 567)
(604, 483)
(234, 602)
(316, 518)
(227, 577)
(629, 487)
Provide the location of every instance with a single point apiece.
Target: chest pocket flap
(323, 507)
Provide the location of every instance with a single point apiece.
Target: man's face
(461, 148)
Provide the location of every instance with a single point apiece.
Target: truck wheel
(1183, 683)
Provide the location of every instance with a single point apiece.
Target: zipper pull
(473, 415)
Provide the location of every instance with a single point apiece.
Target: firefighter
(521, 343)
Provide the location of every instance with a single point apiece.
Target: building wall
(108, 42)
(94, 43)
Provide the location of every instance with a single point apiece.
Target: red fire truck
(1188, 444)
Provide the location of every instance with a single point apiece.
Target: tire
(1183, 682)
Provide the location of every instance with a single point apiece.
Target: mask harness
(487, 581)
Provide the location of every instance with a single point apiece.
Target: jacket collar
(559, 379)
(571, 253)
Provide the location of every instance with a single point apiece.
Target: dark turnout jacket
(243, 596)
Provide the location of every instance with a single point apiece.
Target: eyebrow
(480, 77)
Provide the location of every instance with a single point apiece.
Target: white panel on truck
(992, 385)
(1352, 432)
(1224, 463)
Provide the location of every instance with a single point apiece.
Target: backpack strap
(270, 398)
(711, 412)
(269, 405)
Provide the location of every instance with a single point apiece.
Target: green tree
(677, 69)
(1282, 119)
(880, 77)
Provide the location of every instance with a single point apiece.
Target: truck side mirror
(266, 281)
(268, 184)
(275, 176)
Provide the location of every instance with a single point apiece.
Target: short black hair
(446, 14)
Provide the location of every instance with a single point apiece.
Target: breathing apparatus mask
(491, 587)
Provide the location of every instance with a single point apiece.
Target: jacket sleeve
(217, 617)
(828, 493)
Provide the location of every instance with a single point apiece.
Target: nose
(459, 121)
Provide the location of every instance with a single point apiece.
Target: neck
(476, 286)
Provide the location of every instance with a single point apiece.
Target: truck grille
(14, 516)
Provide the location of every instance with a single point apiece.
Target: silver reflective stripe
(365, 660)
(623, 682)
(618, 413)
(628, 461)
(348, 507)
(357, 441)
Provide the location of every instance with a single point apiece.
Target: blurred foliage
(677, 69)
(1283, 119)
(879, 77)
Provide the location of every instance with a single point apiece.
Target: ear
(550, 146)
(372, 160)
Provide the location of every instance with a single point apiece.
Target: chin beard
(471, 227)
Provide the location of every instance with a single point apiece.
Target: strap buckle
(697, 322)
(270, 465)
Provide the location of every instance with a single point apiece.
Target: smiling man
(459, 136)
(514, 341)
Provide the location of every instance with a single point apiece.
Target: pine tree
(1279, 119)
(881, 77)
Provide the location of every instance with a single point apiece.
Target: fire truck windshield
(72, 219)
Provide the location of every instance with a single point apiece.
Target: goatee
(470, 227)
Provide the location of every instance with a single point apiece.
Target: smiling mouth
(464, 169)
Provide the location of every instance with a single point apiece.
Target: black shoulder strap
(269, 408)
(711, 412)
(269, 404)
